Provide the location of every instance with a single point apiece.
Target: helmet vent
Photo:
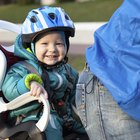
(52, 15)
(33, 19)
(66, 16)
(35, 12)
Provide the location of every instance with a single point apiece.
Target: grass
(77, 61)
(96, 10)
(15, 13)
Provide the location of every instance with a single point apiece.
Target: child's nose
(52, 47)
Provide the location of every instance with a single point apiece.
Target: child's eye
(45, 43)
(60, 44)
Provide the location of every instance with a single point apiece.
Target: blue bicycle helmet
(46, 19)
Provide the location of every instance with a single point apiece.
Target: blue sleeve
(115, 55)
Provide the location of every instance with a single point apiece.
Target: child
(44, 44)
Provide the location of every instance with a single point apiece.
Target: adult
(108, 90)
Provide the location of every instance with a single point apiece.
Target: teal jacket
(14, 83)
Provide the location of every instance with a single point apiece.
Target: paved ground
(78, 49)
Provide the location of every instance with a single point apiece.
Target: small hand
(37, 89)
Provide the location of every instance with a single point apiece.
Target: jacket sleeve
(14, 77)
(114, 56)
(14, 86)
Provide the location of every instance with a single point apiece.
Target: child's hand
(37, 89)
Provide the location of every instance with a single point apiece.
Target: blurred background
(88, 15)
(79, 10)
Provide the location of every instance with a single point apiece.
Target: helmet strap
(32, 47)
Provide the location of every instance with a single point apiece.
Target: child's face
(50, 49)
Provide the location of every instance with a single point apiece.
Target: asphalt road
(78, 49)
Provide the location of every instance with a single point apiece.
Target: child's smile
(51, 49)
